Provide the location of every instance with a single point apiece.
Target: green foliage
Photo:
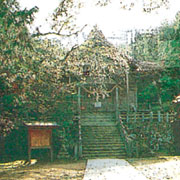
(16, 143)
(163, 46)
(151, 136)
(15, 46)
(63, 113)
(32, 77)
(145, 47)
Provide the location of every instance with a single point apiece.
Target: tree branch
(57, 33)
(69, 52)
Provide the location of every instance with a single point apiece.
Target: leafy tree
(146, 46)
(163, 48)
(16, 63)
(30, 68)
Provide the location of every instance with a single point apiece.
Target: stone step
(103, 152)
(86, 157)
(92, 128)
(97, 145)
(98, 124)
(107, 139)
(104, 131)
(100, 136)
(97, 131)
(95, 120)
(103, 143)
(98, 117)
(104, 148)
(96, 155)
(100, 131)
(105, 155)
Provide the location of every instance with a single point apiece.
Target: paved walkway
(111, 169)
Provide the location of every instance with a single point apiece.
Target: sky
(110, 19)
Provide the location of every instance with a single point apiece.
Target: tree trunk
(2, 147)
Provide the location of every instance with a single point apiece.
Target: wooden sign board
(97, 104)
(40, 137)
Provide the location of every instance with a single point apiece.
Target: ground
(159, 168)
(64, 170)
(156, 168)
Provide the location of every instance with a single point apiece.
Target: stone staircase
(100, 136)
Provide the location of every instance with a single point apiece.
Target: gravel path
(111, 169)
(166, 170)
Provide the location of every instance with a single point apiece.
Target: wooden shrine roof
(97, 47)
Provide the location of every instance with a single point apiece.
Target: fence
(143, 116)
(151, 131)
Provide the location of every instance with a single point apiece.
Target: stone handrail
(130, 143)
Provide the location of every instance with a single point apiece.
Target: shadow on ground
(62, 169)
